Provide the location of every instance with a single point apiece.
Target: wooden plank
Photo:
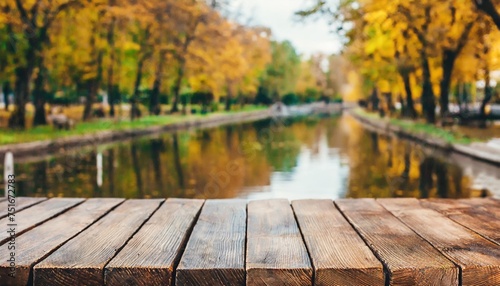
(474, 206)
(83, 258)
(276, 254)
(339, 256)
(150, 256)
(444, 205)
(409, 259)
(31, 217)
(478, 258)
(486, 202)
(475, 219)
(39, 242)
(487, 205)
(21, 204)
(215, 252)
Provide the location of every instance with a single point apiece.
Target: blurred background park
(79, 68)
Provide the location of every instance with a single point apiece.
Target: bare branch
(22, 11)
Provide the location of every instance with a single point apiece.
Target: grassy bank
(418, 127)
(84, 128)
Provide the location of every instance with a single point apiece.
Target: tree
(32, 23)
(283, 70)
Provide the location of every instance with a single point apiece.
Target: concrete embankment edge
(385, 126)
(49, 146)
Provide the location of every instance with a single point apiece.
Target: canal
(329, 157)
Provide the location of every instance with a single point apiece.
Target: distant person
(59, 120)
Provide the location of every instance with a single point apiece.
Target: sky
(307, 38)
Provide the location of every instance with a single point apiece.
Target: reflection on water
(300, 158)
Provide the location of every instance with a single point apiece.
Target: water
(301, 158)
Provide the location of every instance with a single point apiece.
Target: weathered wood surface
(339, 256)
(488, 206)
(150, 256)
(270, 242)
(39, 242)
(477, 219)
(276, 254)
(409, 259)
(478, 258)
(215, 253)
(83, 258)
(21, 204)
(31, 217)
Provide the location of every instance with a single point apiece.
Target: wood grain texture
(21, 204)
(276, 254)
(33, 216)
(83, 258)
(488, 206)
(339, 256)
(39, 242)
(215, 252)
(409, 259)
(476, 219)
(480, 205)
(150, 256)
(478, 258)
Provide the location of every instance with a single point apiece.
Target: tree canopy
(420, 50)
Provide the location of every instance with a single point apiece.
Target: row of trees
(167, 47)
(423, 49)
(121, 46)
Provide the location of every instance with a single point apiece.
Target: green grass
(84, 128)
(422, 128)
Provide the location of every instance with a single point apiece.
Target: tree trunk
(374, 99)
(6, 91)
(110, 86)
(94, 83)
(38, 91)
(22, 87)
(447, 65)
(388, 99)
(134, 110)
(428, 101)
(229, 97)
(39, 97)
(410, 106)
(177, 86)
(89, 100)
(111, 43)
(488, 94)
(93, 88)
(154, 100)
(21, 92)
